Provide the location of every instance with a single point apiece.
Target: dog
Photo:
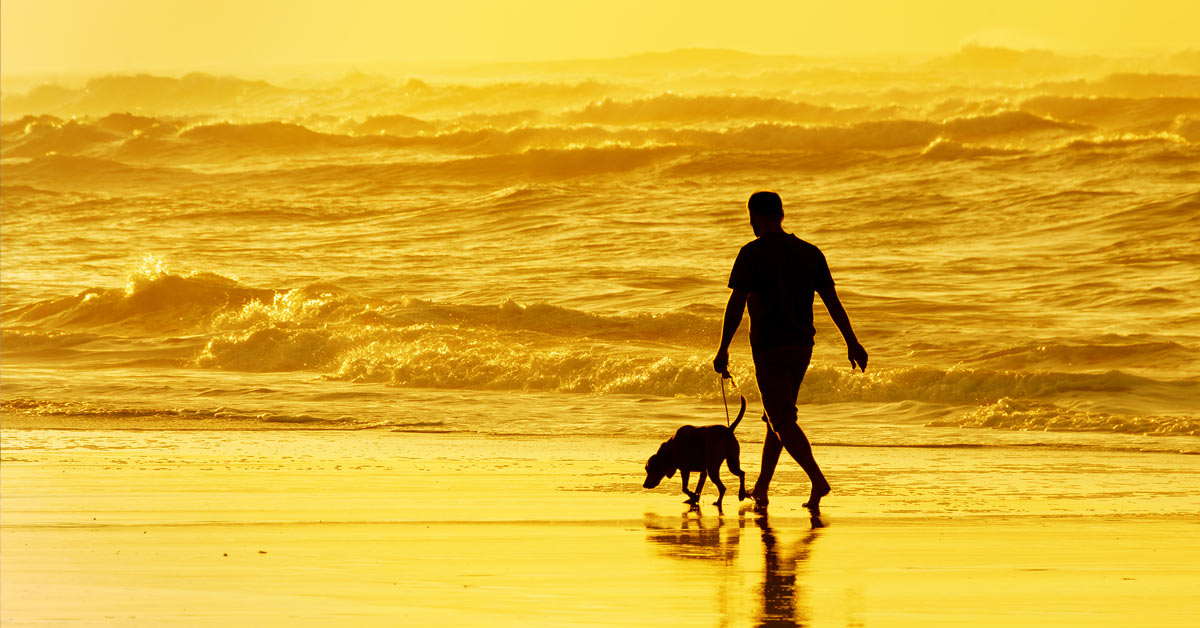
(700, 449)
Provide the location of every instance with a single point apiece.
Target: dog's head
(658, 467)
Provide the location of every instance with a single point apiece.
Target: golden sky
(127, 35)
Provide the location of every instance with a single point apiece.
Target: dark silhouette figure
(776, 275)
(779, 577)
(692, 539)
(700, 449)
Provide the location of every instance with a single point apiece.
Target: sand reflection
(776, 595)
(692, 537)
(780, 605)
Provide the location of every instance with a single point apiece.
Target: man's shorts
(779, 373)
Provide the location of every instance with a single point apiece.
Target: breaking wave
(676, 108)
(80, 413)
(36, 137)
(1032, 415)
(942, 148)
(1112, 111)
(325, 329)
(152, 302)
(1016, 228)
(55, 154)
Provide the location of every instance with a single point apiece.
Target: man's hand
(721, 362)
(858, 356)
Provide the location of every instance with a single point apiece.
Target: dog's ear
(664, 454)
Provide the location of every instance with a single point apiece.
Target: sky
(90, 36)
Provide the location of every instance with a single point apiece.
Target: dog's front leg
(693, 498)
(700, 486)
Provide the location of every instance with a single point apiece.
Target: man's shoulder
(784, 244)
(785, 241)
(804, 244)
(751, 249)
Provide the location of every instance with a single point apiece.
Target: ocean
(533, 250)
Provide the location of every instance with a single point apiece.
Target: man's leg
(773, 376)
(798, 446)
(770, 458)
(780, 374)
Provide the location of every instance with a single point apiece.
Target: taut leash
(724, 400)
(726, 376)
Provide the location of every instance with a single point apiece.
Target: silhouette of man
(777, 274)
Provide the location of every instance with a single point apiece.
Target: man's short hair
(766, 204)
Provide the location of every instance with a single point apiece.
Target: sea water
(543, 249)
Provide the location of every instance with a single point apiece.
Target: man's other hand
(858, 356)
(721, 362)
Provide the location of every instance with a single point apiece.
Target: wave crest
(153, 301)
(1025, 414)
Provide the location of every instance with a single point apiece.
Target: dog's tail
(741, 413)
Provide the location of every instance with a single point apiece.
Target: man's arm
(733, 318)
(857, 354)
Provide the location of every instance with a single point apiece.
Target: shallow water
(547, 250)
(209, 527)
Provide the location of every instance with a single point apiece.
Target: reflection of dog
(690, 537)
(700, 449)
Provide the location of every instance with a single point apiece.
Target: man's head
(766, 212)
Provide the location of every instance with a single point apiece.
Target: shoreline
(300, 528)
(681, 570)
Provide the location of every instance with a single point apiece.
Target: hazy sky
(126, 35)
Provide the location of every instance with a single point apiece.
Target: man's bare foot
(814, 498)
(759, 495)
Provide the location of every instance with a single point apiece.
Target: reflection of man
(780, 608)
(777, 274)
(779, 584)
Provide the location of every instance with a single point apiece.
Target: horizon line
(466, 64)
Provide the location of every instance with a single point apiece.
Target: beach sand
(295, 527)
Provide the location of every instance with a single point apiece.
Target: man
(777, 274)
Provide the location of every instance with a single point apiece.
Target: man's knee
(789, 431)
(778, 411)
(794, 440)
(782, 425)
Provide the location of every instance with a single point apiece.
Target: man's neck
(769, 230)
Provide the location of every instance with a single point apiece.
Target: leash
(726, 376)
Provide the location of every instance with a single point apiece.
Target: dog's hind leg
(716, 478)
(699, 487)
(692, 497)
(735, 466)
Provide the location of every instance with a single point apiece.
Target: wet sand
(307, 528)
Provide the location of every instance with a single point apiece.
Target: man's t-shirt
(780, 272)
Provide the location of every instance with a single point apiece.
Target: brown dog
(700, 449)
